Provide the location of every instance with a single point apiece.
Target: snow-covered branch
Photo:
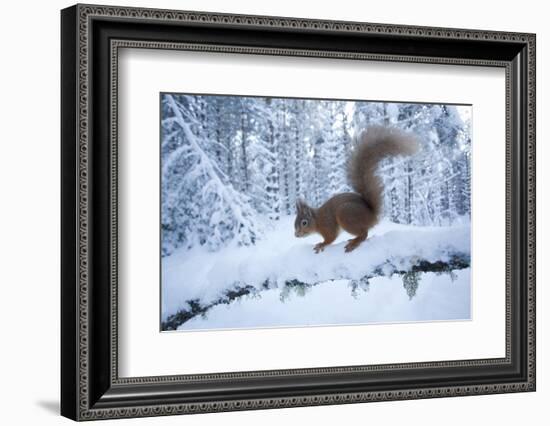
(452, 262)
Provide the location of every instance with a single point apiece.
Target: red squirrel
(355, 212)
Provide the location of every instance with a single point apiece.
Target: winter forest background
(233, 166)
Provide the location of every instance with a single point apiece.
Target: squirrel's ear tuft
(300, 205)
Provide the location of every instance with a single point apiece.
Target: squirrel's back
(371, 147)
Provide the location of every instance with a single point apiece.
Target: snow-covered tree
(199, 205)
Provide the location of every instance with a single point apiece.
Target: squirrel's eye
(304, 222)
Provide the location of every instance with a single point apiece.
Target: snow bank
(199, 274)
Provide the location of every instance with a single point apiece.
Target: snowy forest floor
(280, 281)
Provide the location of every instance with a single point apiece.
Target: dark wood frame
(90, 38)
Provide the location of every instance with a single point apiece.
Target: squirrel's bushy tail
(372, 146)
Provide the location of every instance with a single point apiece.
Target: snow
(385, 301)
(199, 274)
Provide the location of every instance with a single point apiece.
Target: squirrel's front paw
(319, 247)
(350, 246)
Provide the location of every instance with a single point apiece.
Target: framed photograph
(263, 212)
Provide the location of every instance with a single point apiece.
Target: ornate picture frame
(91, 37)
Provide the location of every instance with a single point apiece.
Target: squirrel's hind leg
(354, 242)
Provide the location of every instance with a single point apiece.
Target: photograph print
(293, 212)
